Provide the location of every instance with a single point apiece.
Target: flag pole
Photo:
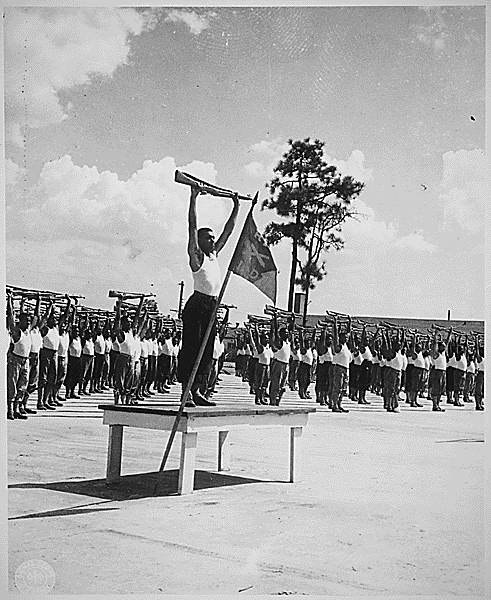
(192, 377)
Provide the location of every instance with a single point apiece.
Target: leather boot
(10, 412)
(17, 413)
(29, 411)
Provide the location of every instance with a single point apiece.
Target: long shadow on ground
(132, 487)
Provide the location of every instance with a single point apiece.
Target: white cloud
(83, 231)
(464, 188)
(364, 233)
(367, 234)
(146, 211)
(353, 166)
(50, 49)
(196, 23)
(267, 153)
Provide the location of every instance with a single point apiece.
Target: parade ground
(387, 504)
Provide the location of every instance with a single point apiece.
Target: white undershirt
(207, 279)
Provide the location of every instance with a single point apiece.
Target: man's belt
(205, 295)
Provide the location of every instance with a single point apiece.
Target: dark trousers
(152, 364)
(163, 370)
(143, 373)
(87, 364)
(304, 374)
(196, 316)
(32, 385)
(73, 373)
(48, 363)
(113, 359)
(97, 371)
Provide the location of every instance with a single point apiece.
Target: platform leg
(188, 460)
(295, 453)
(114, 453)
(223, 451)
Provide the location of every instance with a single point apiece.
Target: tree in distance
(315, 200)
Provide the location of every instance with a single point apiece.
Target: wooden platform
(220, 419)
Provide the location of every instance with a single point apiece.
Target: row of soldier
(350, 362)
(131, 352)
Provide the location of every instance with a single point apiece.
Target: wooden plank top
(205, 411)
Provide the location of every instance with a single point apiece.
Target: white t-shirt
(167, 347)
(218, 348)
(207, 279)
(36, 340)
(358, 359)
(75, 347)
(326, 357)
(461, 364)
(99, 344)
(440, 363)
(23, 346)
(308, 357)
(52, 339)
(396, 362)
(343, 357)
(63, 345)
(452, 362)
(265, 356)
(88, 347)
(283, 354)
(126, 347)
(419, 361)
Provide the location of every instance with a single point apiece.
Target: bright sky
(103, 104)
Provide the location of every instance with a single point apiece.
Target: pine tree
(315, 201)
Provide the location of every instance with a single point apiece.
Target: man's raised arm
(194, 252)
(229, 226)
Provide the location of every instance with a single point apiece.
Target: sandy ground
(389, 505)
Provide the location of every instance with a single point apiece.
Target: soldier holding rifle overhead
(74, 362)
(324, 361)
(17, 361)
(123, 371)
(36, 345)
(341, 360)
(203, 260)
(438, 373)
(459, 370)
(415, 353)
(279, 362)
(392, 370)
(63, 345)
(479, 392)
(48, 357)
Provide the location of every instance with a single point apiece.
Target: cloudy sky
(103, 104)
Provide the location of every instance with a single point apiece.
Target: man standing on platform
(202, 253)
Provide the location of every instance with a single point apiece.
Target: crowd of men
(135, 354)
(347, 363)
(52, 346)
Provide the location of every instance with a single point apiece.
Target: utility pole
(181, 293)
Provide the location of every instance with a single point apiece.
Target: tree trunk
(306, 303)
(293, 274)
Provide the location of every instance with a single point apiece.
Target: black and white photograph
(245, 299)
